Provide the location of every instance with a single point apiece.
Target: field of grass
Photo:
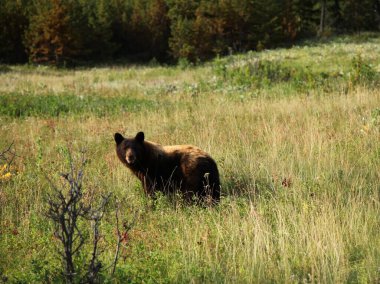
(295, 133)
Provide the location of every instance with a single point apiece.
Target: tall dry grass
(300, 183)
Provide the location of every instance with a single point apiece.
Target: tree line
(76, 31)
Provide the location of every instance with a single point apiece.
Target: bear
(185, 168)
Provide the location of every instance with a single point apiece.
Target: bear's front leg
(148, 186)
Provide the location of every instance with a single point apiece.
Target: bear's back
(189, 150)
(193, 162)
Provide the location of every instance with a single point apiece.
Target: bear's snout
(130, 157)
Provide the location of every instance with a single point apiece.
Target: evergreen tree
(305, 10)
(292, 20)
(57, 31)
(337, 19)
(93, 22)
(121, 12)
(208, 30)
(239, 29)
(50, 37)
(360, 15)
(13, 23)
(138, 30)
(182, 41)
(159, 29)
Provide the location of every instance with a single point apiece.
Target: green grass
(297, 144)
(23, 105)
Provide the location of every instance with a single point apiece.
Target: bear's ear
(140, 137)
(118, 138)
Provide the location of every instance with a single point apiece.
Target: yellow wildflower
(7, 176)
(3, 168)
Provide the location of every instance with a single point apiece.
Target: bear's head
(130, 150)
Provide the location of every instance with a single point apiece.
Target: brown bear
(169, 168)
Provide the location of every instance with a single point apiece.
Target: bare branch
(119, 239)
(67, 209)
(7, 156)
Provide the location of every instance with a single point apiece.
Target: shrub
(362, 72)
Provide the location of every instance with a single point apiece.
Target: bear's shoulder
(186, 153)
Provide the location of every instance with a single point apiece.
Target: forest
(61, 32)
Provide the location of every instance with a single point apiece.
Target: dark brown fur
(170, 168)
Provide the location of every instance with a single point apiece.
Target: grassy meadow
(296, 136)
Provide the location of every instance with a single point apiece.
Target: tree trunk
(337, 15)
(323, 16)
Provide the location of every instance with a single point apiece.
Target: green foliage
(92, 22)
(203, 29)
(147, 30)
(159, 29)
(361, 15)
(363, 72)
(182, 40)
(253, 72)
(22, 105)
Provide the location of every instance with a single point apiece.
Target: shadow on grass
(243, 186)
